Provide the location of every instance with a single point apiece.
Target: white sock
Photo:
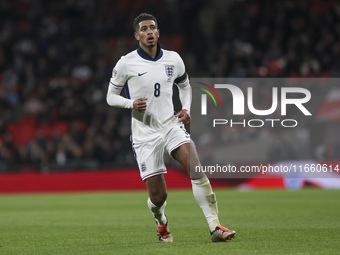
(206, 199)
(158, 212)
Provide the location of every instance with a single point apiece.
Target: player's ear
(136, 36)
(158, 32)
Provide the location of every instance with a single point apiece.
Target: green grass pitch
(266, 222)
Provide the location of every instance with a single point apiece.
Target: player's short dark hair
(141, 17)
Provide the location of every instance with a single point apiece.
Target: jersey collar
(146, 56)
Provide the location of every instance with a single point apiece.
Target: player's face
(147, 34)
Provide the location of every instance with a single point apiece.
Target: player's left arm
(182, 82)
(184, 89)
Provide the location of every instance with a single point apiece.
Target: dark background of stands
(56, 58)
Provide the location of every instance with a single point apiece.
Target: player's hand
(140, 104)
(184, 116)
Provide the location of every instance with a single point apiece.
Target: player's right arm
(117, 82)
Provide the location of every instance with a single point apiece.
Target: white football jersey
(143, 76)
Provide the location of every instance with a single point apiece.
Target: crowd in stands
(56, 58)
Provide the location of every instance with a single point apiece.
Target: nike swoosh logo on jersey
(140, 74)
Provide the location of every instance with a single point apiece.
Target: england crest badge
(169, 70)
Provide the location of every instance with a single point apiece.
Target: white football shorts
(150, 155)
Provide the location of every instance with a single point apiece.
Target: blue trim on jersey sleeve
(146, 56)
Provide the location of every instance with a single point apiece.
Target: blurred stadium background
(56, 58)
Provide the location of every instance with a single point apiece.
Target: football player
(148, 75)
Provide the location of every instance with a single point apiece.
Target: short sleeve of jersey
(119, 73)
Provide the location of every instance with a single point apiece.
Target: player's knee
(159, 198)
